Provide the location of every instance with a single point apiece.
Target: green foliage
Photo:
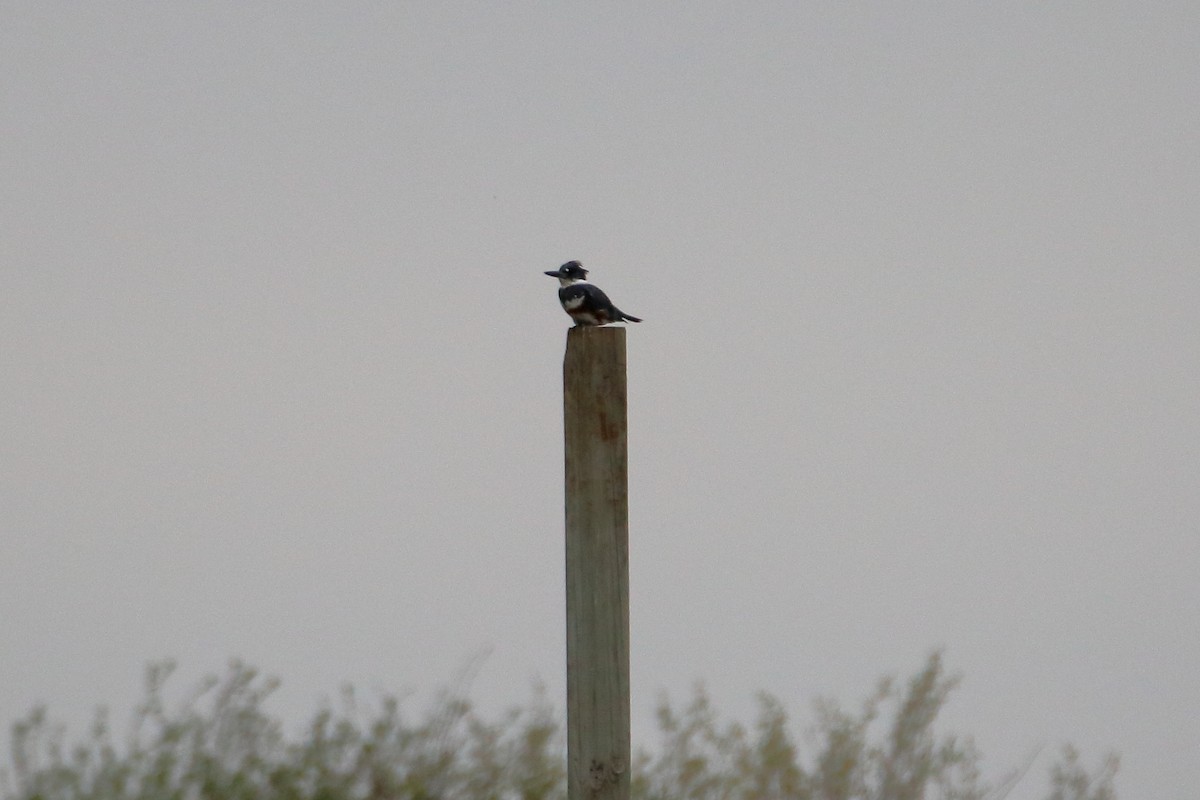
(220, 744)
(1070, 781)
(856, 757)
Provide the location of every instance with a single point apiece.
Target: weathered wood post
(597, 547)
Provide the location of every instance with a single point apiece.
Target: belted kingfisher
(586, 304)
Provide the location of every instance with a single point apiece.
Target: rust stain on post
(597, 551)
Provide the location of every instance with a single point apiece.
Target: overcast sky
(920, 366)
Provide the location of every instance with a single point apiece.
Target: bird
(585, 302)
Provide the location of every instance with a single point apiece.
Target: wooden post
(597, 547)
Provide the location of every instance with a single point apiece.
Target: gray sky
(920, 363)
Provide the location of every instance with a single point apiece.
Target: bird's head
(568, 273)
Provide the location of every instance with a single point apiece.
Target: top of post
(596, 342)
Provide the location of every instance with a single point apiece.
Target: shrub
(220, 744)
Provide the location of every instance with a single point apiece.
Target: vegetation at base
(220, 744)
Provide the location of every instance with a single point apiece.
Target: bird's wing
(583, 294)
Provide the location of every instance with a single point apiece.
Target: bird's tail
(626, 318)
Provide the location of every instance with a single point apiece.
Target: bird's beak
(554, 273)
